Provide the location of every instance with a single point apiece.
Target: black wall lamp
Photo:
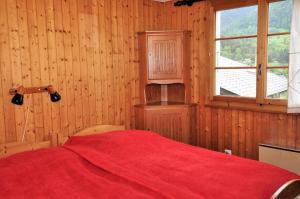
(185, 2)
(20, 91)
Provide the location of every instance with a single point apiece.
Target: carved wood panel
(164, 57)
(172, 123)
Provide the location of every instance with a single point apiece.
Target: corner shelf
(165, 97)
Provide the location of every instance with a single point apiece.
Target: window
(251, 51)
(236, 45)
(279, 27)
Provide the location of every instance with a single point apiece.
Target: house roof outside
(243, 82)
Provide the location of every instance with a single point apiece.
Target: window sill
(248, 104)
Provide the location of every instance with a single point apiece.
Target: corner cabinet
(165, 85)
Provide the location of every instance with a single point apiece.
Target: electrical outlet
(228, 151)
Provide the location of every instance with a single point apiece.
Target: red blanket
(135, 164)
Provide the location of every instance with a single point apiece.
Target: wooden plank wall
(219, 128)
(86, 48)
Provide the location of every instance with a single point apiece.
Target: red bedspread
(135, 164)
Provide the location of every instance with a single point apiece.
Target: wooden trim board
(14, 148)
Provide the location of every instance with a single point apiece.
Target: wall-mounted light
(19, 97)
(54, 95)
(20, 91)
(185, 2)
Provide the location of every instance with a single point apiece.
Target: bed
(138, 164)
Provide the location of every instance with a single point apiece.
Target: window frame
(260, 102)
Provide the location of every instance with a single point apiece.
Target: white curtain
(294, 65)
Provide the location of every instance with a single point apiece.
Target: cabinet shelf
(156, 93)
(166, 103)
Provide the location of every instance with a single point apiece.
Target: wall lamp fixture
(185, 2)
(21, 90)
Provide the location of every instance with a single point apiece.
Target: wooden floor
(89, 51)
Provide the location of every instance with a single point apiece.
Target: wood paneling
(172, 121)
(86, 48)
(222, 128)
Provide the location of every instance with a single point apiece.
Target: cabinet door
(172, 123)
(165, 57)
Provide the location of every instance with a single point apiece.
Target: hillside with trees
(243, 21)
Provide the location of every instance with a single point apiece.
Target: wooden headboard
(55, 140)
(98, 129)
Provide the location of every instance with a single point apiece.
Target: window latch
(259, 71)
